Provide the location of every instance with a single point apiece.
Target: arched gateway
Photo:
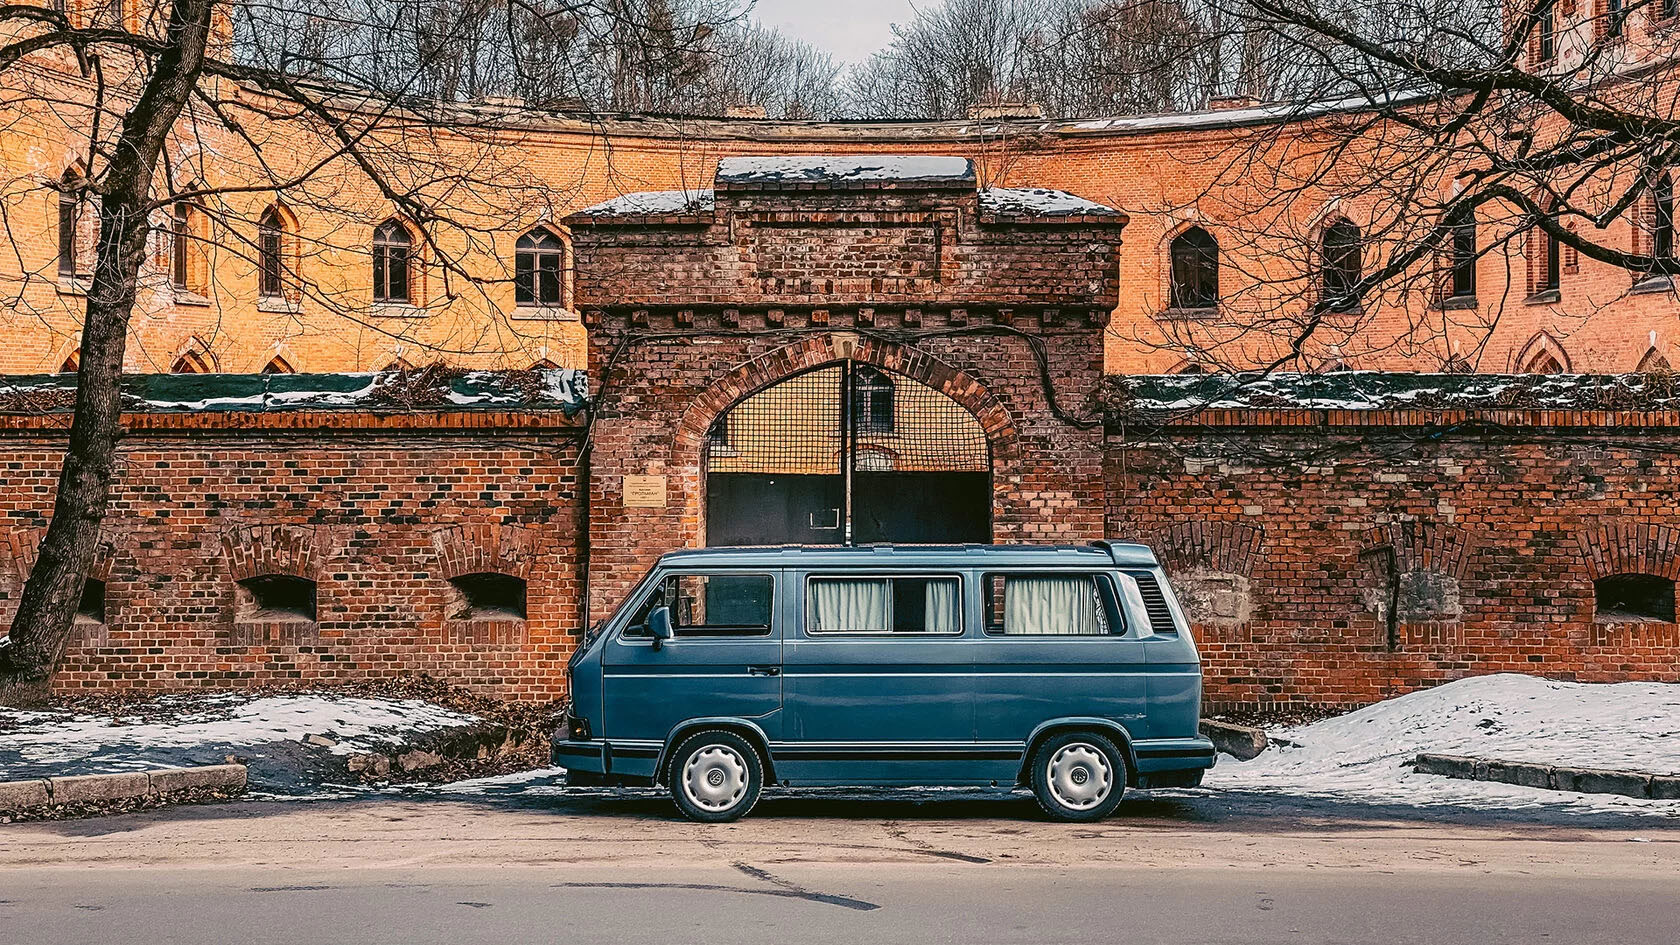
(847, 453)
(824, 349)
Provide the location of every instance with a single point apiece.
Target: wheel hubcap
(1079, 775)
(715, 778)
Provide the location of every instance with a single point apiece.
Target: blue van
(1069, 670)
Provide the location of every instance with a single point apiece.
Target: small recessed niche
(277, 597)
(487, 596)
(1633, 598)
(91, 610)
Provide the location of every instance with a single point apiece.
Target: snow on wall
(653, 203)
(844, 168)
(1168, 394)
(1039, 202)
(564, 389)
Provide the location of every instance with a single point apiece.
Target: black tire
(715, 776)
(1084, 760)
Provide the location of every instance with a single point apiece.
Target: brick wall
(379, 511)
(1340, 558)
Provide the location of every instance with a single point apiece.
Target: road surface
(429, 869)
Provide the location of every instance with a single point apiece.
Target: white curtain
(942, 613)
(851, 605)
(1063, 606)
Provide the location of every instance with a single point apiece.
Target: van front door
(723, 662)
(877, 682)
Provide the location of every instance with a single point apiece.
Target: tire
(715, 776)
(1078, 776)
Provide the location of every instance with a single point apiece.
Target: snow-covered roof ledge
(843, 171)
(562, 389)
(652, 206)
(1038, 203)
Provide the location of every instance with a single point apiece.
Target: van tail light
(577, 729)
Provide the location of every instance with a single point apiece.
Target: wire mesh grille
(898, 424)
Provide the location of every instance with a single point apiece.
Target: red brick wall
(1284, 529)
(380, 511)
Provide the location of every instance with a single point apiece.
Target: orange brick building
(285, 281)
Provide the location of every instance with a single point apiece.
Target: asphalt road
(743, 904)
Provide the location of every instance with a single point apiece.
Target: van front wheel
(1078, 776)
(715, 777)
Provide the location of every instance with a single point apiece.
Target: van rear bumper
(1173, 754)
(579, 756)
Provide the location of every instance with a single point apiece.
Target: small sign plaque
(644, 492)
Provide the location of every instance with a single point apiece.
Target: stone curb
(93, 788)
(1239, 741)
(1550, 777)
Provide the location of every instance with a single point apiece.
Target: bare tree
(192, 151)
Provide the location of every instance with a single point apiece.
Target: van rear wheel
(715, 776)
(1078, 776)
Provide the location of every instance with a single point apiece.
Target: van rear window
(1050, 605)
(710, 605)
(883, 605)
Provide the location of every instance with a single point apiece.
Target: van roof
(1099, 554)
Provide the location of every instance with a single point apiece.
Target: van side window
(710, 605)
(1050, 605)
(883, 605)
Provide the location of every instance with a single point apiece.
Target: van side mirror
(659, 626)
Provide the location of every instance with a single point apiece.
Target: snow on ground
(1365, 756)
(185, 729)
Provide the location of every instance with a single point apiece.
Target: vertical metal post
(848, 445)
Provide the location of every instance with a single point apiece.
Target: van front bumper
(1173, 754)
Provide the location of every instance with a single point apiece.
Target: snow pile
(844, 168)
(1366, 755)
(653, 203)
(1039, 202)
(185, 729)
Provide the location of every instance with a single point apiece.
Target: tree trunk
(47, 609)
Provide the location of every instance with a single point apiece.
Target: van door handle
(764, 670)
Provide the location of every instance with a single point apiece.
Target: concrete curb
(1239, 741)
(1550, 777)
(95, 788)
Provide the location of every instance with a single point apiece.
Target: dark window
(1551, 278)
(278, 365)
(1343, 265)
(539, 267)
(710, 605)
(180, 234)
(883, 605)
(1195, 269)
(1614, 14)
(872, 400)
(1548, 34)
(1050, 605)
(270, 259)
(1633, 598)
(92, 606)
(487, 596)
(190, 363)
(1463, 253)
(391, 260)
(1662, 231)
(69, 215)
(276, 597)
(718, 433)
(1669, 8)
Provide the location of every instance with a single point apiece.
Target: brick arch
(1630, 548)
(259, 550)
(481, 549)
(1539, 352)
(814, 351)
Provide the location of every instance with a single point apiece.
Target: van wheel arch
(1114, 731)
(752, 733)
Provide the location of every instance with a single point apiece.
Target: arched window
(1195, 269)
(72, 363)
(487, 596)
(69, 223)
(1343, 265)
(180, 245)
(872, 403)
(271, 257)
(539, 269)
(399, 366)
(278, 365)
(191, 362)
(1462, 230)
(392, 258)
(544, 364)
(1633, 598)
(1545, 262)
(1653, 362)
(283, 598)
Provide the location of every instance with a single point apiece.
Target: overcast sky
(850, 29)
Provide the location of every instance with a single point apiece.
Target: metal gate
(847, 454)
